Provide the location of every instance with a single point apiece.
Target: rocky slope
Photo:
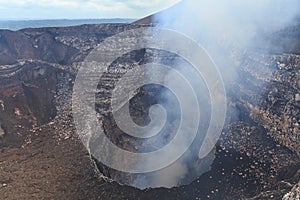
(257, 156)
(294, 194)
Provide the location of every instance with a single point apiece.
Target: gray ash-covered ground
(41, 157)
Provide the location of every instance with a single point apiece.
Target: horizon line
(42, 19)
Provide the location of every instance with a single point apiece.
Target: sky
(80, 9)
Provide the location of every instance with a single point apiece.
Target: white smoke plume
(220, 27)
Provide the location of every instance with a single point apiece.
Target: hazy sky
(72, 9)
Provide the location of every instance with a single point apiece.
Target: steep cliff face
(27, 99)
(257, 156)
(32, 63)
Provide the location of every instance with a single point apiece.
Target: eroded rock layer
(257, 156)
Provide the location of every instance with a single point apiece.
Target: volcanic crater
(42, 157)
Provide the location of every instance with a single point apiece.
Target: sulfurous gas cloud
(221, 27)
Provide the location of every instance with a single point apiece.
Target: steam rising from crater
(193, 98)
(223, 28)
(226, 26)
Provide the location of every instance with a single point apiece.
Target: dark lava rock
(41, 157)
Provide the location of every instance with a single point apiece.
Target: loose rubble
(294, 194)
(257, 156)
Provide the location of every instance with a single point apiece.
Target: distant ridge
(13, 24)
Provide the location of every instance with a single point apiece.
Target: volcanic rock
(294, 194)
(1, 132)
(257, 156)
